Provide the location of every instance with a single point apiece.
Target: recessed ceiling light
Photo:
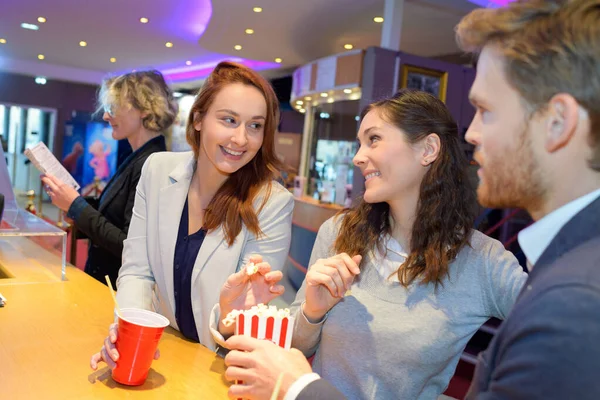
(308, 98)
(188, 62)
(41, 57)
(113, 60)
(169, 44)
(257, 9)
(144, 20)
(82, 43)
(237, 47)
(249, 31)
(40, 80)
(278, 60)
(348, 46)
(32, 27)
(347, 91)
(324, 94)
(41, 20)
(378, 19)
(330, 100)
(2, 41)
(299, 102)
(302, 110)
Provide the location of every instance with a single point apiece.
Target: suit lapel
(171, 201)
(584, 226)
(113, 188)
(211, 242)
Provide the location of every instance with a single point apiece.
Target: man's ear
(562, 120)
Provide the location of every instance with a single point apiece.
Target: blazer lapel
(171, 201)
(211, 242)
(582, 227)
(113, 188)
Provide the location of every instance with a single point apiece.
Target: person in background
(139, 106)
(400, 283)
(536, 134)
(200, 216)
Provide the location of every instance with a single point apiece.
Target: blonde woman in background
(139, 107)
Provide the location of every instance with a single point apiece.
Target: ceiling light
(378, 19)
(298, 106)
(113, 60)
(330, 100)
(144, 20)
(302, 110)
(348, 46)
(82, 43)
(299, 102)
(41, 57)
(188, 63)
(324, 94)
(237, 47)
(41, 20)
(308, 98)
(2, 41)
(40, 80)
(347, 91)
(249, 31)
(278, 60)
(169, 44)
(257, 9)
(32, 27)
(177, 94)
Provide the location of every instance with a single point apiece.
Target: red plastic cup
(138, 335)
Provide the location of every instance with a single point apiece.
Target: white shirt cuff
(215, 314)
(300, 384)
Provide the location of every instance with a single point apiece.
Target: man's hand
(258, 363)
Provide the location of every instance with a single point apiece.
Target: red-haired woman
(427, 281)
(200, 216)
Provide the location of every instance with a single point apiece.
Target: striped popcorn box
(266, 323)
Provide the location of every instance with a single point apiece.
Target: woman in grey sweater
(399, 284)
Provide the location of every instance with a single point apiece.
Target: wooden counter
(310, 213)
(50, 328)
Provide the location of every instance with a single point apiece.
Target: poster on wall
(90, 152)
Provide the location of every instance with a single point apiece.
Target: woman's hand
(109, 353)
(242, 291)
(327, 281)
(61, 194)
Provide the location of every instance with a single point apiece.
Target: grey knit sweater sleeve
(306, 335)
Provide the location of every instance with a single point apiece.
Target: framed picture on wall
(425, 79)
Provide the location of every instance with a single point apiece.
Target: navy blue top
(186, 252)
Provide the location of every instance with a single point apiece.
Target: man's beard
(514, 179)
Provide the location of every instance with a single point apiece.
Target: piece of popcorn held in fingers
(251, 268)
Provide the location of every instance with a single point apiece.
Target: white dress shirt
(536, 238)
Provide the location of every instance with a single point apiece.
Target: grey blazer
(146, 276)
(548, 347)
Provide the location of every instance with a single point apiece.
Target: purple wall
(65, 97)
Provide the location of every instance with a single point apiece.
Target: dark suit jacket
(549, 346)
(106, 226)
(320, 390)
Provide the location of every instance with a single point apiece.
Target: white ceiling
(298, 31)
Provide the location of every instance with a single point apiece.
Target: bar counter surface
(50, 328)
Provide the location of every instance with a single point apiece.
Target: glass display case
(31, 249)
(332, 149)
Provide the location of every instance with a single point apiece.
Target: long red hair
(232, 205)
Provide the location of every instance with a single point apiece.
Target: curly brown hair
(446, 206)
(550, 47)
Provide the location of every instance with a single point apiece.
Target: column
(391, 31)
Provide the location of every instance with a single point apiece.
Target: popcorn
(260, 310)
(251, 268)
